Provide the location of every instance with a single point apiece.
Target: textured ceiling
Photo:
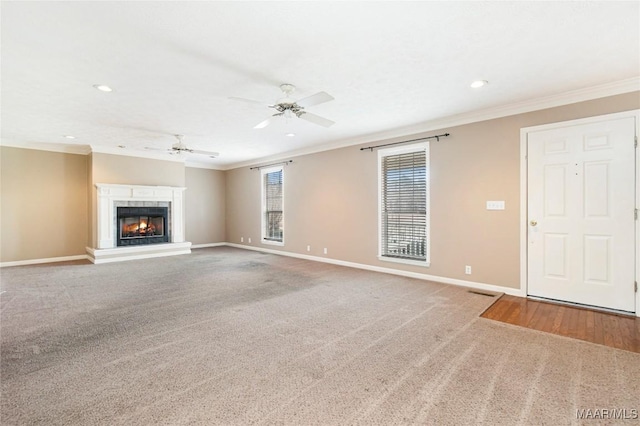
(390, 66)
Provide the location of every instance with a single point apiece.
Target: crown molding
(196, 165)
(89, 149)
(561, 99)
(537, 104)
(392, 135)
(163, 156)
(63, 148)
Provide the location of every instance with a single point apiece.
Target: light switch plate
(495, 205)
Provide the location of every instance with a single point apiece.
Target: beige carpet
(233, 337)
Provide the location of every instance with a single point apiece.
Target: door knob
(534, 222)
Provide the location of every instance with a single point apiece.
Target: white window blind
(273, 229)
(404, 210)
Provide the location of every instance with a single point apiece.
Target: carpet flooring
(232, 337)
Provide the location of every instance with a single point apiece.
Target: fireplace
(142, 225)
(138, 222)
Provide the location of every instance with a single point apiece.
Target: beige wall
(44, 204)
(119, 169)
(65, 182)
(205, 206)
(331, 198)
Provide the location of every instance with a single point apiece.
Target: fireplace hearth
(142, 225)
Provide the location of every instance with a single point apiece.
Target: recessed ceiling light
(69, 136)
(290, 135)
(103, 87)
(479, 83)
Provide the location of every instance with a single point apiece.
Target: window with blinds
(404, 214)
(272, 202)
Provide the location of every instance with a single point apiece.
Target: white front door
(581, 204)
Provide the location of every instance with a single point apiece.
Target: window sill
(422, 263)
(273, 243)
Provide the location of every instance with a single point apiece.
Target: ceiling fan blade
(316, 119)
(316, 99)
(249, 101)
(209, 153)
(263, 124)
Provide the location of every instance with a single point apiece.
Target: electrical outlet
(467, 270)
(495, 205)
(242, 239)
(308, 248)
(325, 250)
(249, 240)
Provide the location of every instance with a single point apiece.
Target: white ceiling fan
(289, 107)
(180, 148)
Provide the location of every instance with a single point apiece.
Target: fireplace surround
(153, 217)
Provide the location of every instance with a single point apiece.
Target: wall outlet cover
(495, 205)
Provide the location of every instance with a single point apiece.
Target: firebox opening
(142, 225)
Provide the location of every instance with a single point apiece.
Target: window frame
(407, 149)
(263, 210)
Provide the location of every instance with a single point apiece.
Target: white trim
(108, 194)
(196, 165)
(406, 149)
(197, 246)
(51, 147)
(89, 149)
(536, 104)
(443, 280)
(45, 260)
(524, 185)
(120, 254)
(637, 116)
(263, 205)
(154, 155)
(524, 244)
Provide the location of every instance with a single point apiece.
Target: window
(272, 206)
(404, 208)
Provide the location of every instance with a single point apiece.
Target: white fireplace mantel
(108, 195)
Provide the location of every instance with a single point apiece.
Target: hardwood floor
(617, 331)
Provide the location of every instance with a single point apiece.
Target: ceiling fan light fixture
(289, 107)
(290, 134)
(479, 83)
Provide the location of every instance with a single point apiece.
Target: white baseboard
(443, 280)
(186, 250)
(45, 260)
(197, 246)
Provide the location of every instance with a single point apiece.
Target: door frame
(524, 197)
